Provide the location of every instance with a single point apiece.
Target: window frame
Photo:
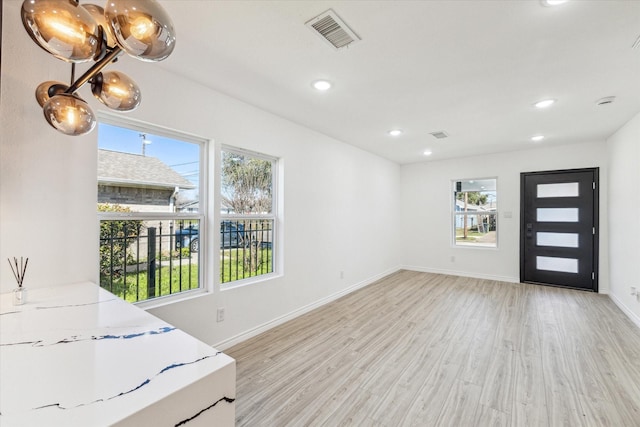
(455, 214)
(204, 284)
(273, 216)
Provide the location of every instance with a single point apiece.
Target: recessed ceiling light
(427, 153)
(553, 2)
(537, 138)
(322, 85)
(544, 103)
(395, 132)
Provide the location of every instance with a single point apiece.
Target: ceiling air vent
(439, 135)
(333, 30)
(606, 100)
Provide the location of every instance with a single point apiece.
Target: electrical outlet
(452, 259)
(220, 317)
(634, 290)
(342, 274)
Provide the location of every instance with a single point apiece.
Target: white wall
(426, 200)
(47, 181)
(624, 211)
(339, 204)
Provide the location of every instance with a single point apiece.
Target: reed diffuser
(19, 270)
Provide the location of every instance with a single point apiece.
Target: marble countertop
(78, 355)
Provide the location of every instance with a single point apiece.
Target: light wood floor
(419, 349)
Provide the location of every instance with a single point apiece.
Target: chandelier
(77, 33)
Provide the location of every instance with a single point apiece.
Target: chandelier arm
(97, 67)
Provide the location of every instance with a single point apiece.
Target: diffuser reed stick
(20, 270)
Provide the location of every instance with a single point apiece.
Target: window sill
(474, 246)
(171, 299)
(249, 281)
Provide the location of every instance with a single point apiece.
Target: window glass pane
(149, 244)
(247, 244)
(246, 248)
(563, 265)
(481, 229)
(475, 208)
(557, 214)
(564, 240)
(143, 259)
(565, 189)
(247, 184)
(146, 172)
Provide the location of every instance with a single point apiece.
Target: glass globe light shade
(97, 12)
(116, 90)
(69, 114)
(46, 90)
(142, 29)
(62, 28)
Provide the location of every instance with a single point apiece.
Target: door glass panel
(557, 214)
(564, 265)
(564, 240)
(564, 189)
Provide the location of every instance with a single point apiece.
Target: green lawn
(232, 263)
(473, 236)
(235, 264)
(168, 281)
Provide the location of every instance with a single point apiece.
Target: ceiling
(472, 69)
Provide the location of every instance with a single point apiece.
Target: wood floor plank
(426, 408)
(422, 349)
(563, 404)
(490, 417)
(461, 405)
(529, 400)
(498, 388)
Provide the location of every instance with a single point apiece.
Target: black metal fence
(246, 248)
(146, 259)
(141, 260)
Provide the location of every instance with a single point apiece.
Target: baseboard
(230, 342)
(626, 310)
(462, 274)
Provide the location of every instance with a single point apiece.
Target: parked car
(232, 235)
(188, 238)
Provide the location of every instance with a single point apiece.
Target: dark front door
(559, 228)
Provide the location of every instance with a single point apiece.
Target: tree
(473, 197)
(247, 188)
(246, 183)
(470, 198)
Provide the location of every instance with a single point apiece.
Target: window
(248, 215)
(475, 212)
(151, 211)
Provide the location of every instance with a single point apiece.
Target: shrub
(115, 238)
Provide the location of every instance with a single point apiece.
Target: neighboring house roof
(470, 207)
(135, 170)
(473, 208)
